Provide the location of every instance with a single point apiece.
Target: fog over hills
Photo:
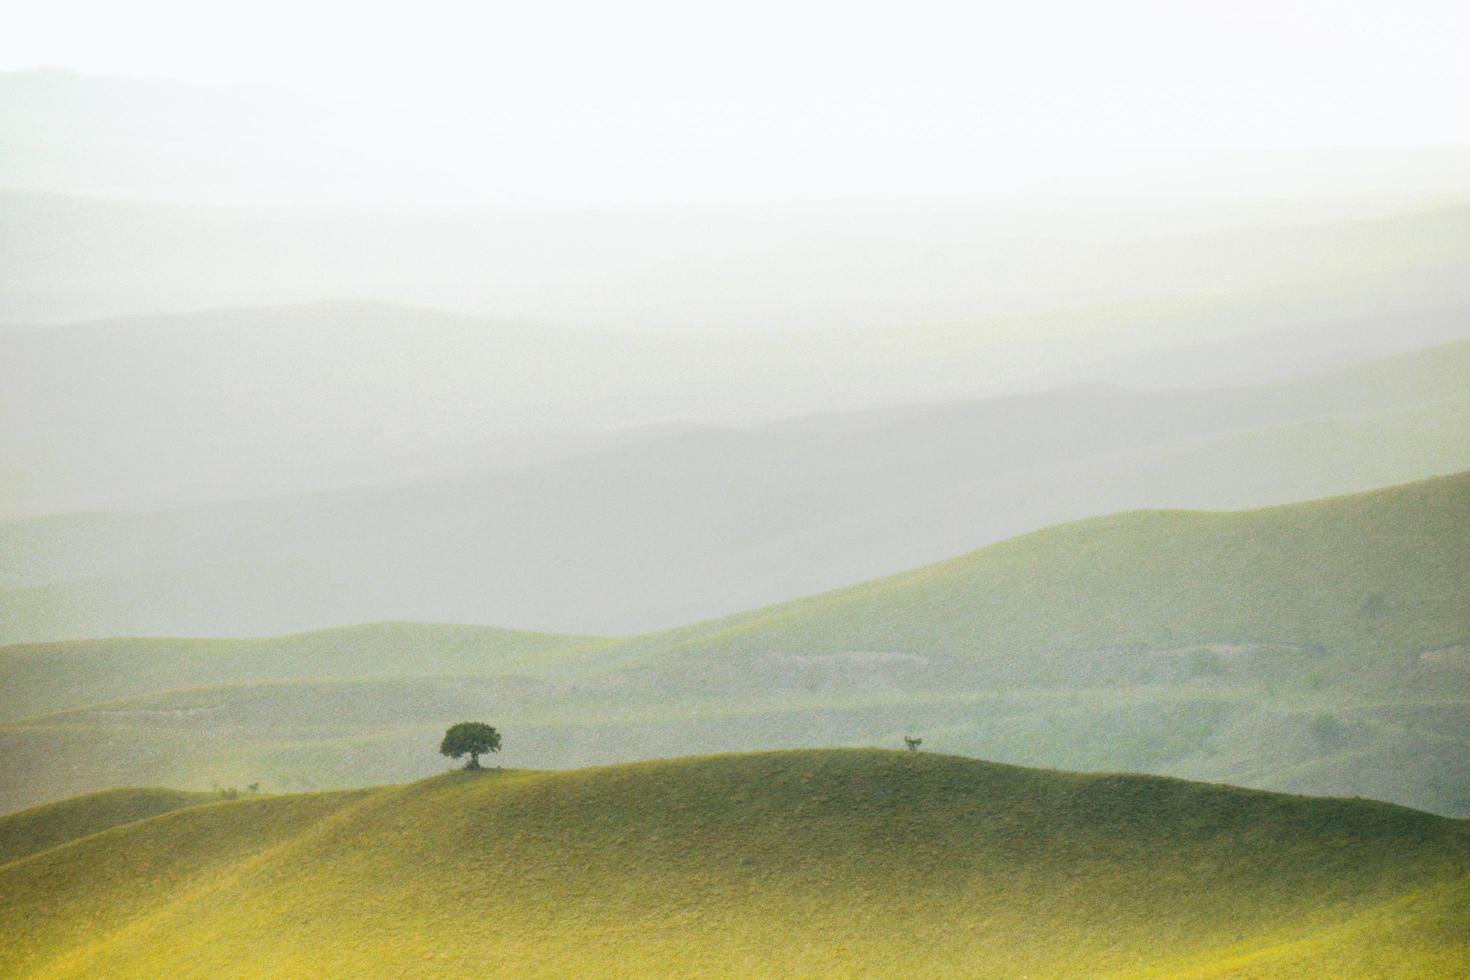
(1059, 385)
(673, 527)
(123, 195)
(158, 410)
(771, 266)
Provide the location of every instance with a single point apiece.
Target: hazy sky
(820, 76)
(658, 100)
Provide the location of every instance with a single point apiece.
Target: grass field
(1322, 647)
(794, 863)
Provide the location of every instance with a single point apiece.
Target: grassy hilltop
(816, 862)
(1321, 647)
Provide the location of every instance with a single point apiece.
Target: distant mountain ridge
(661, 526)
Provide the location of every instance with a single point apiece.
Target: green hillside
(38, 828)
(1320, 648)
(1379, 573)
(806, 863)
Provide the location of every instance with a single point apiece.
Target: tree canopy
(470, 738)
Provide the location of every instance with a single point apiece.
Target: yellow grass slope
(793, 863)
(53, 824)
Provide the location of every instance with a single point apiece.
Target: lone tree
(471, 738)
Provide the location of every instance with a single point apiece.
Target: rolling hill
(43, 827)
(1372, 575)
(682, 526)
(1318, 647)
(821, 862)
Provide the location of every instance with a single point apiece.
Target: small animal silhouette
(912, 743)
